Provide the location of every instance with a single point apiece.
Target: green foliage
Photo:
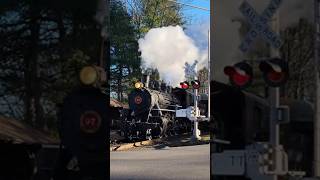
(125, 58)
(148, 14)
(43, 47)
(158, 13)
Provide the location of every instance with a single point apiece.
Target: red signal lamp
(195, 84)
(184, 85)
(240, 74)
(275, 71)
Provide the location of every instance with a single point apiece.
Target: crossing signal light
(195, 84)
(184, 85)
(240, 74)
(275, 71)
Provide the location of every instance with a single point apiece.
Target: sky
(197, 14)
(198, 26)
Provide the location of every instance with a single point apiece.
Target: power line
(190, 5)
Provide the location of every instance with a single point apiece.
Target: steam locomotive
(152, 107)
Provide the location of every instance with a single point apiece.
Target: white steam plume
(167, 49)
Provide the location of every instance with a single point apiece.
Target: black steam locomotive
(152, 111)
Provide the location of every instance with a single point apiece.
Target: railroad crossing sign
(190, 71)
(259, 26)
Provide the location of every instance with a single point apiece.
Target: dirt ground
(173, 141)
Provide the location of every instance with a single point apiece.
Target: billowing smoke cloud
(168, 48)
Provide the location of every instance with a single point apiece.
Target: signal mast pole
(209, 78)
(196, 131)
(316, 163)
(274, 100)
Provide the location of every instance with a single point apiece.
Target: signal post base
(196, 132)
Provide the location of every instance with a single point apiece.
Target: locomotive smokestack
(163, 87)
(169, 89)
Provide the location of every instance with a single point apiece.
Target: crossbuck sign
(190, 71)
(259, 26)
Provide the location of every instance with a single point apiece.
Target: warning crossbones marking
(259, 26)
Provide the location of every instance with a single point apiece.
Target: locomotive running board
(169, 110)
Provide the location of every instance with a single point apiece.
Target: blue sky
(198, 22)
(197, 15)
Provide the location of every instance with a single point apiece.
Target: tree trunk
(33, 90)
(120, 88)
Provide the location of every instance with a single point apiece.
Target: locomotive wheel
(164, 127)
(163, 133)
(156, 132)
(176, 127)
(171, 129)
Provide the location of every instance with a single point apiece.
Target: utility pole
(209, 78)
(274, 100)
(316, 163)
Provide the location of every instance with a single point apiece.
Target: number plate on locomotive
(138, 100)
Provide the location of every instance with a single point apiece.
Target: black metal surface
(86, 146)
(152, 109)
(149, 98)
(145, 103)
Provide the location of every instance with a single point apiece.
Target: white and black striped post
(196, 131)
(274, 100)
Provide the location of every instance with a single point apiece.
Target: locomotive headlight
(138, 85)
(88, 75)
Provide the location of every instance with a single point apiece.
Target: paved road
(180, 163)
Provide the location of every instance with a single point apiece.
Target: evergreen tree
(43, 45)
(125, 58)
